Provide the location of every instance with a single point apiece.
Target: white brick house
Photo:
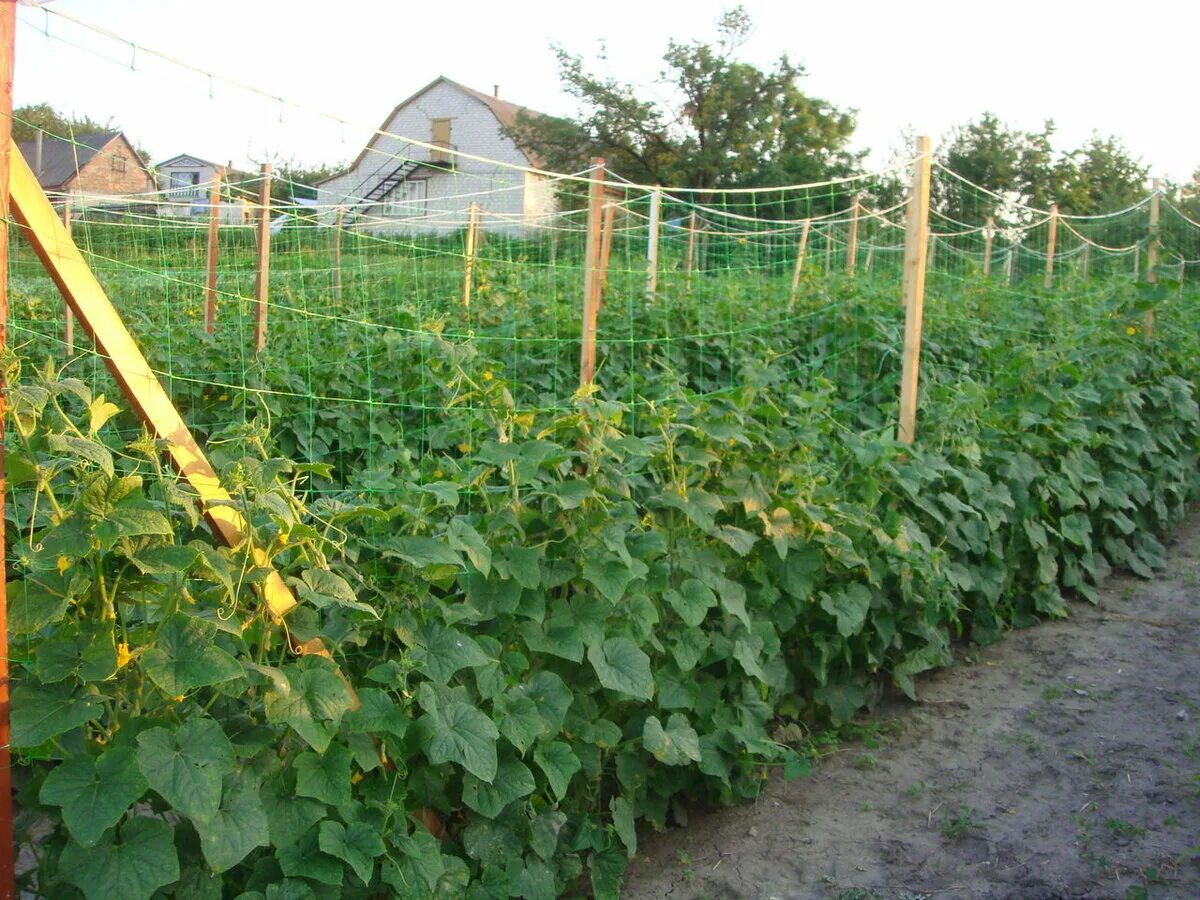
(397, 185)
(185, 185)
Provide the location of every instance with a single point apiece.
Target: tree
(1101, 176)
(725, 124)
(28, 120)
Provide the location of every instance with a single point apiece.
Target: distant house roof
(505, 112)
(189, 157)
(62, 158)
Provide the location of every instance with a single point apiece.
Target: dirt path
(1062, 762)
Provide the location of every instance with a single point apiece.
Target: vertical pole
(469, 252)
(1051, 240)
(8, 14)
(1009, 267)
(69, 317)
(1086, 263)
(989, 231)
(916, 244)
(652, 245)
(1137, 262)
(606, 233)
(800, 251)
(852, 240)
(828, 249)
(867, 261)
(932, 252)
(591, 273)
(214, 243)
(262, 278)
(691, 250)
(1152, 254)
(338, 222)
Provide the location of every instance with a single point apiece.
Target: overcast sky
(1127, 69)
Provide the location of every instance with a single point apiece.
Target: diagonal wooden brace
(124, 359)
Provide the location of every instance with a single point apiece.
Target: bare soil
(1061, 762)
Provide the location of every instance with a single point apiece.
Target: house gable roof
(62, 158)
(504, 111)
(188, 159)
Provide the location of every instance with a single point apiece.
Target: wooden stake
(916, 244)
(828, 249)
(214, 225)
(116, 346)
(932, 251)
(469, 252)
(262, 279)
(852, 240)
(8, 23)
(989, 231)
(1051, 240)
(690, 262)
(1086, 263)
(1152, 255)
(652, 245)
(591, 275)
(68, 316)
(801, 249)
(1009, 268)
(606, 232)
(338, 224)
(870, 256)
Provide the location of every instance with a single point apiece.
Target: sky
(1115, 68)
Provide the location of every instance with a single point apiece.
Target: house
(92, 170)
(397, 184)
(185, 183)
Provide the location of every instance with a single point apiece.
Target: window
(118, 165)
(408, 199)
(184, 179)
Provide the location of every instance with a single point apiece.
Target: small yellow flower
(438, 473)
(732, 442)
(63, 564)
(223, 397)
(488, 376)
(1131, 330)
(123, 655)
(356, 777)
(179, 699)
(464, 448)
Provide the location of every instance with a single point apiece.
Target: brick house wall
(116, 170)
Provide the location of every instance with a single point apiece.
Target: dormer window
(441, 141)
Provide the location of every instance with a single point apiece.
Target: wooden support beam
(916, 244)
(129, 367)
(690, 261)
(852, 240)
(591, 275)
(828, 249)
(214, 249)
(8, 24)
(606, 241)
(1009, 267)
(68, 316)
(1051, 240)
(262, 278)
(338, 225)
(801, 249)
(472, 237)
(652, 245)
(1152, 254)
(989, 232)
(1085, 264)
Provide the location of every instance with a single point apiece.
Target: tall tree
(726, 123)
(1101, 176)
(34, 117)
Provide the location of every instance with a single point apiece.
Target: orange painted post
(591, 275)
(8, 22)
(214, 249)
(68, 316)
(852, 241)
(1051, 240)
(469, 252)
(801, 249)
(989, 232)
(606, 239)
(916, 244)
(116, 346)
(652, 245)
(262, 279)
(338, 222)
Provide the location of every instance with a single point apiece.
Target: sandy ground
(1061, 762)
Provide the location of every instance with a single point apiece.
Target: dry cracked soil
(1061, 762)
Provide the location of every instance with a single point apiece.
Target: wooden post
(852, 240)
(652, 245)
(800, 251)
(8, 23)
(1051, 240)
(870, 256)
(1086, 263)
(68, 316)
(989, 231)
(828, 249)
(262, 278)
(469, 252)
(932, 253)
(1152, 254)
(690, 262)
(1009, 268)
(214, 224)
(1137, 262)
(591, 275)
(916, 243)
(338, 223)
(606, 232)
